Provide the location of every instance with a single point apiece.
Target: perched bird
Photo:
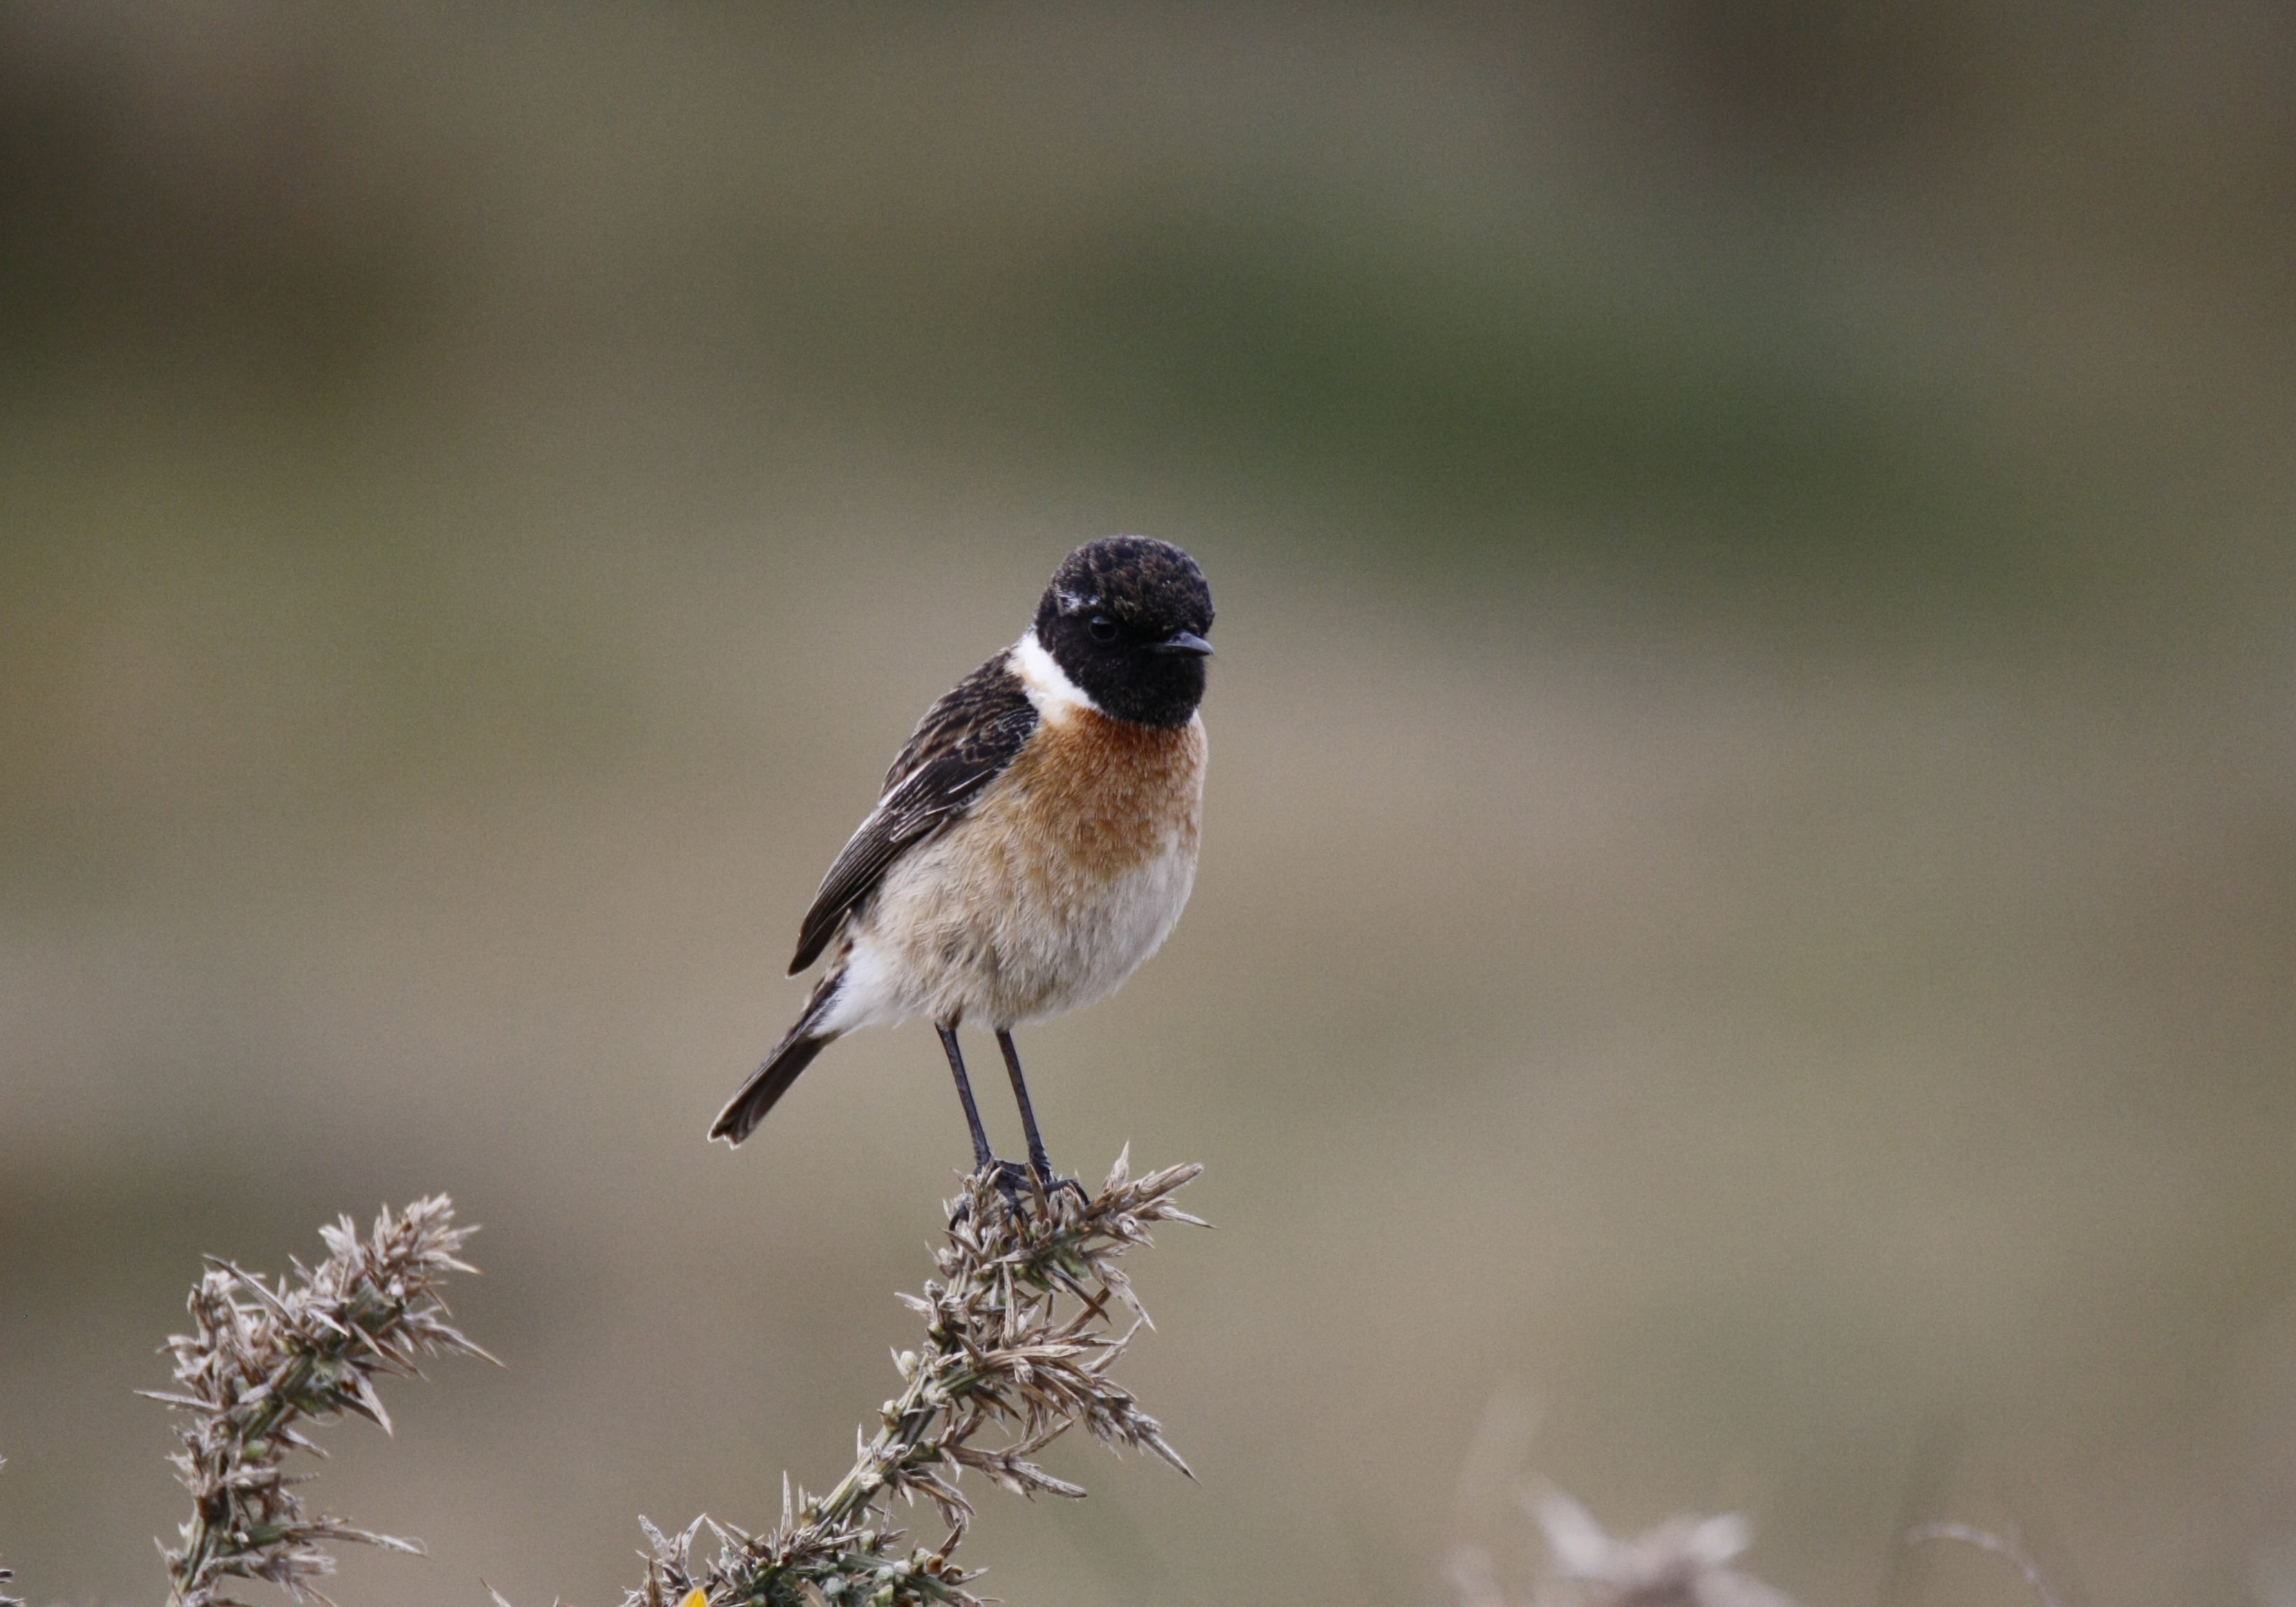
(1036, 838)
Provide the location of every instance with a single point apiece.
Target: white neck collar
(1047, 684)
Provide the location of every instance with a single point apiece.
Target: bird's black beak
(1186, 642)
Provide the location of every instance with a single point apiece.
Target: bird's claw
(1042, 1179)
(1012, 1179)
(1008, 1176)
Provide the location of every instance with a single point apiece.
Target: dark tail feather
(770, 1081)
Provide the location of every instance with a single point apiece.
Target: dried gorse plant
(266, 1360)
(1020, 1329)
(1019, 1334)
(1022, 1321)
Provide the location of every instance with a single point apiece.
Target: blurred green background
(1749, 889)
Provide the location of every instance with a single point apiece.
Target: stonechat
(1035, 839)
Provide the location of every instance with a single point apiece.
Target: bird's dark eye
(1102, 629)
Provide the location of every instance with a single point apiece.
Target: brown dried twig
(1018, 1339)
(265, 1359)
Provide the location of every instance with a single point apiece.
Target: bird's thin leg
(1036, 1157)
(982, 1157)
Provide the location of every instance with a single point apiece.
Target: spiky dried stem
(265, 1359)
(1018, 1337)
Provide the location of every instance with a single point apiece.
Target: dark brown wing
(963, 743)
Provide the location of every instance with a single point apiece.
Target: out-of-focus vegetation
(1749, 856)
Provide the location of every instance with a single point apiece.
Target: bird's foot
(1010, 1177)
(1053, 1183)
(1014, 1180)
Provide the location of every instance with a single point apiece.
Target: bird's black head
(1125, 618)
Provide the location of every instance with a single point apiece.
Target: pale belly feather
(1068, 876)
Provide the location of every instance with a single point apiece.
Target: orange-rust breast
(1108, 795)
(1069, 873)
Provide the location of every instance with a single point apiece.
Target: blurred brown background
(1749, 889)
